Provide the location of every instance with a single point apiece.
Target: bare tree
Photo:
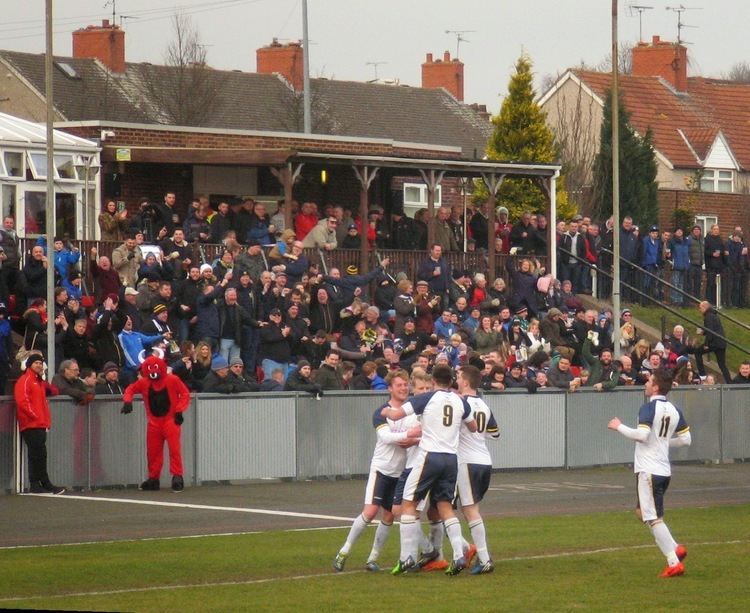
(739, 72)
(185, 91)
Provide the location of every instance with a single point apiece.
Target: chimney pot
(655, 40)
(429, 58)
(447, 56)
(105, 43)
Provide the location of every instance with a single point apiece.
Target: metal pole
(50, 215)
(551, 246)
(615, 187)
(306, 69)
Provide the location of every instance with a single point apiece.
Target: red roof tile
(708, 106)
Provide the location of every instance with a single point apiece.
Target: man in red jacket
(32, 413)
(165, 398)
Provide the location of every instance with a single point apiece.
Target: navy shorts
(433, 473)
(473, 482)
(380, 489)
(398, 495)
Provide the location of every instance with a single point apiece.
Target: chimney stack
(106, 43)
(286, 60)
(447, 73)
(661, 59)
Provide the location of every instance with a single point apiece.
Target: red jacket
(32, 408)
(303, 224)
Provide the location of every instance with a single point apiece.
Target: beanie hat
(219, 363)
(34, 357)
(160, 308)
(109, 367)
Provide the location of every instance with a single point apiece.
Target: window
(8, 202)
(38, 165)
(415, 197)
(705, 222)
(714, 180)
(35, 214)
(64, 167)
(13, 164)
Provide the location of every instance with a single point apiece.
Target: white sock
(480, 540)
(358, 527)
(425, 544)
(453, 530)
(665, 542)
(437, 533)
(381, 536)
(409, 538)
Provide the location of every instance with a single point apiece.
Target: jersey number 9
(447, 416)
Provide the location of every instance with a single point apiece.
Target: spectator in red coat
(32, 413)
(106, 279)
(306, 220)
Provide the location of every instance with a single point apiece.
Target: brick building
(700, 127)
(196, 130)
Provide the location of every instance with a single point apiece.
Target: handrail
(658, 302)
(684, 293)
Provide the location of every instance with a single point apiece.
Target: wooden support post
(365, 176)
(432, 179)
(493, 183)
(288, 175)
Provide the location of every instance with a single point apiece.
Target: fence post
(718, 291)
(565, 431)
(594, 279)
(195, 441)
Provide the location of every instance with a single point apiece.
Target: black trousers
(36, 443)
(721, 360)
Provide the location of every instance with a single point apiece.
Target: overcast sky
(347, 34)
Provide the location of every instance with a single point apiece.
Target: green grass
(622, 579)
(741, 336)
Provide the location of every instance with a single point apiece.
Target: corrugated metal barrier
(288, 435)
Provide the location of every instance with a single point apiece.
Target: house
(196, 130)
(700, 127)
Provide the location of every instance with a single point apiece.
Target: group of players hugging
(431, 456)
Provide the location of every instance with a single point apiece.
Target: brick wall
(731, 209)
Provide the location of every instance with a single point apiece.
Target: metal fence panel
(702, 409)
(735, 406)
(7, 434)
(589, 442)
(246, 437)
(531, 428)
(335, 433)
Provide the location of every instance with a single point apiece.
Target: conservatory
(23, 176)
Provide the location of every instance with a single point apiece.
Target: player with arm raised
(443, 411)
(388, 462)
(661, 425)
(475, 464)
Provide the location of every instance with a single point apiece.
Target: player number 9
(447, 415)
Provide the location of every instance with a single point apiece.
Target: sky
(346, 36)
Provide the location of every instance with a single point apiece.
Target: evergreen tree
(522, 135)
(638, 195)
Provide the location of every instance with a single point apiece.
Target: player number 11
(664, 428)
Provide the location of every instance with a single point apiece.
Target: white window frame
(411, 206)
(4, 168)
(67, 157)
(38, 176)
(705, 222)
(711, 180)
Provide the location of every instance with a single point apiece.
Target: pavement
(124, 514)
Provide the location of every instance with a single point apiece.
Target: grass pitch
(592, 562)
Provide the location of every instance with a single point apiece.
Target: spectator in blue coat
(651, 261)
(437, 272)
(260, 225)
(65, 257)
(679, 250)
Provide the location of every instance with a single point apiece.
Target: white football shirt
(472, 446)
(663, 420)
(388, 458)
(442, 412)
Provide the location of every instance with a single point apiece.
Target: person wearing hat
(275, 351)
(299, 380)
(108, 383)
(458, 287)
(33, 416)
(652, 251)
(134, 346)
(351, 240)
(404, 233)
(353, 284)
(73, 284)
(158, 324)
(217, 381)
(239, 378)
(503, 228)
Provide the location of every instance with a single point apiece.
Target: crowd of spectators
(263, 316)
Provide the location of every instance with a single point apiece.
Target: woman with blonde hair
(201, 363)
(640, 352)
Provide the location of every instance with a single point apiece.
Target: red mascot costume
(165, 397)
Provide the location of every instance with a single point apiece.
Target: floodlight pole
(306, 70)
(50, 214)
(615, 187)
